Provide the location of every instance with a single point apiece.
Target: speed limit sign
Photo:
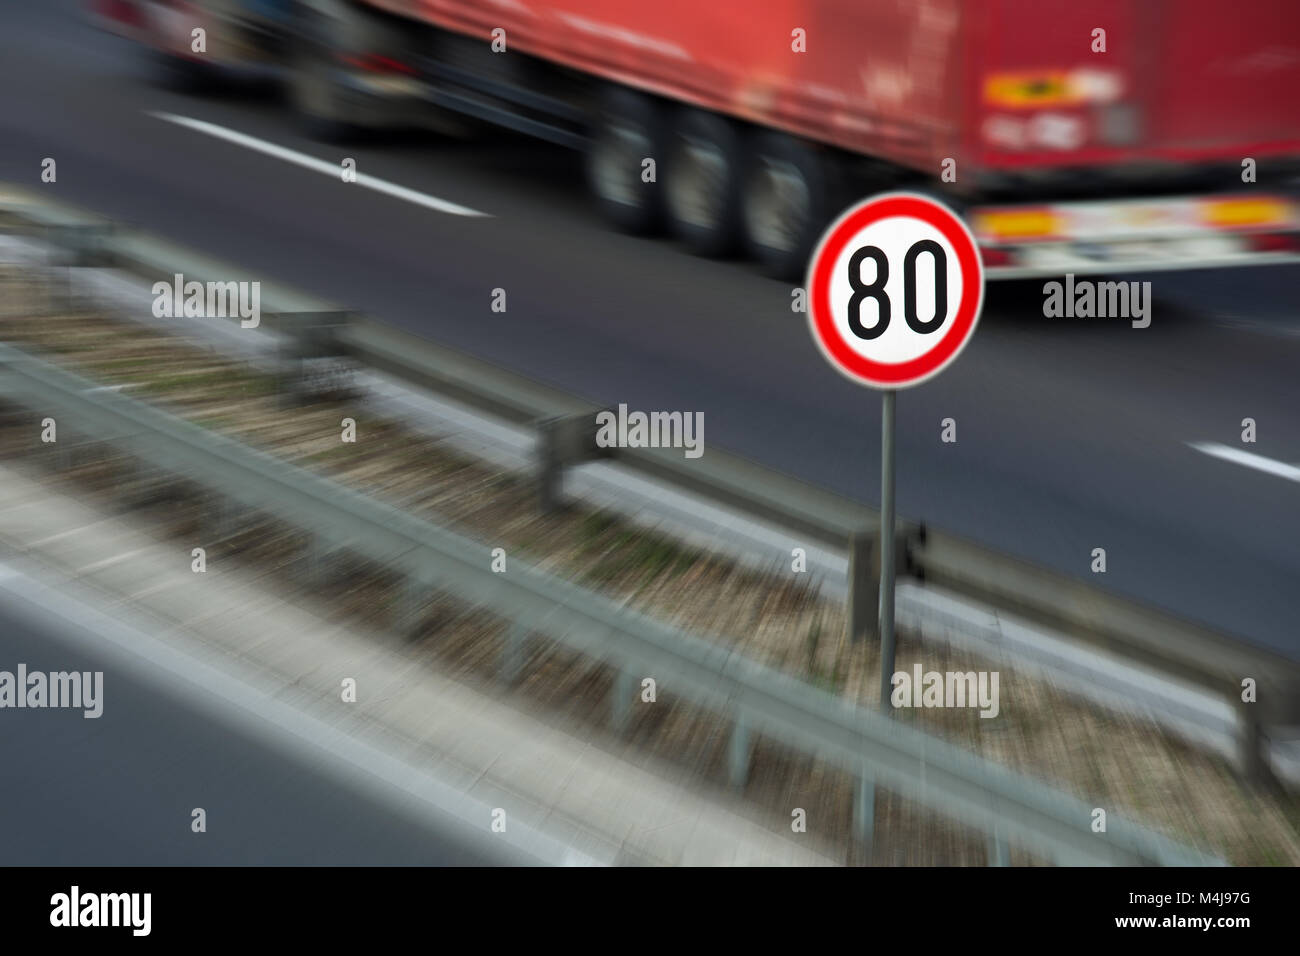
(895, 289)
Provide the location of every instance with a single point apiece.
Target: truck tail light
(377, 63)
(1263, 212)
(1017, 224)
(1275, 242)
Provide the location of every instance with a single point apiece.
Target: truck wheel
(314, 97)
(175, 66)
(786, 204)
(320, 31)
(180, 75)
(626, 131)
(703, 182)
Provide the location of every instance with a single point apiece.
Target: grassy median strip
(1126, 765)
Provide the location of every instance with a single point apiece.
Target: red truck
(1107, 135)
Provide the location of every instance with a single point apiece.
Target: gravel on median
(1124, 763)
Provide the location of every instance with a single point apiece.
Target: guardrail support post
(1252, 743)
(216, 522)
(137, 486)
(58, 289)
(999, 851)
(512, 654)
(82, 243)
(738, 752)
(864, 589)
(864, 808)
(409, 603)
(550, 467)
(622, 691)
(63, 452)
(315, 563)
(66, 450)
(312, 339)
(562, 442)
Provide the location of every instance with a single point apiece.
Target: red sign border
(894, 375)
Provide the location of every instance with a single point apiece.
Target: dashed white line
(1267, 465)
(319, 165)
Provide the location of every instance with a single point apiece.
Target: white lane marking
(1279, 468)
(319, 165)
(1258, 327)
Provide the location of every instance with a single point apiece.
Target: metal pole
(512, 654)
(624, 689)
(999, 852)
(886, 548)
(864, 810)
(738, 752)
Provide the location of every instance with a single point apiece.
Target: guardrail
(1009, 807)
(566, 436)
(1141, 635)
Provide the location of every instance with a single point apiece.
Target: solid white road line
(319, 165)
(1267, 465)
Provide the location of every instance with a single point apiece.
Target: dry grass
(1125, 764)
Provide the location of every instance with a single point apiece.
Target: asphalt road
(118, 790)
(1072, 434)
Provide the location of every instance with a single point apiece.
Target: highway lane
(119, 790)
(1072, 434)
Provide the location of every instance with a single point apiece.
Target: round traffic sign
(895, 289)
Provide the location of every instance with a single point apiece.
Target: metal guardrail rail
(1125, 628)
(566, 430)
(1139, 634)
(1009, 807)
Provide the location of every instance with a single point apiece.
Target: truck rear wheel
(785, 204)
(314, 97)
(180, 75)
(321, 35)
(626, 131)
(174, 64)
(703, 182)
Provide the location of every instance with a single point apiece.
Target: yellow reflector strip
(1263, 211)
(1017, 224)
(1028, 89)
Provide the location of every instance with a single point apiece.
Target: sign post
(893, 255)
(887, 537)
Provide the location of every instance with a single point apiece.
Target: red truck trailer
(1108, 135)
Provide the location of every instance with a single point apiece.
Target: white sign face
(895, 290)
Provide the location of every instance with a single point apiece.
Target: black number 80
(877, 289)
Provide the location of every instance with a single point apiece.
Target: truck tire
(181, 75)
(171, 64)
(702, 178)
(321, 32)
(786, 203)
(313, 95)
(626, 130)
